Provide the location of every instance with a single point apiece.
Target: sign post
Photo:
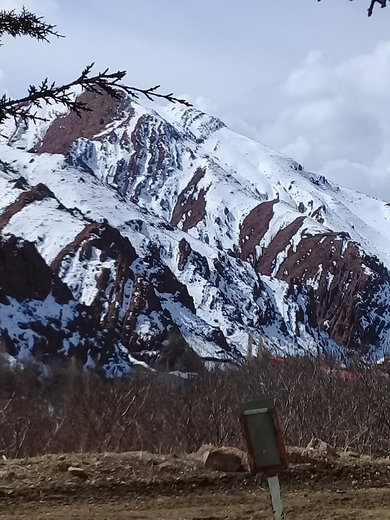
(265, 444)
(276, 498)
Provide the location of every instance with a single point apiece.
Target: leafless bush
(73, 411)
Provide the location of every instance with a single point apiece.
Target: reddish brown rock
(143, 302)
(64, 130)
(254, 227)
(337, 300)
(102, 236)
(191, 203)
(36, 193)
(279, 243)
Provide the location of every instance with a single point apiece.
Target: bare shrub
(74, 411)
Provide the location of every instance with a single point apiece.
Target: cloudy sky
(310, 79)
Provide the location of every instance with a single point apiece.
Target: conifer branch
(26, 23)
(383, 3)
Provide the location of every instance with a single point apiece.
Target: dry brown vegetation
(72, 411)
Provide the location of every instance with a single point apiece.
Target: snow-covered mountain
(155, 234)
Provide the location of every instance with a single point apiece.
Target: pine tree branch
(26, 23)
(373, 2)
(103, 82)
(383, 3)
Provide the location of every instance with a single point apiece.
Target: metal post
(276, 499)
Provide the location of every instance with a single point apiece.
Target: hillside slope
(156, 235)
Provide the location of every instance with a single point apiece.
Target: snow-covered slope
(173, 238)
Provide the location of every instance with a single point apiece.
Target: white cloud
(349, 173)
(336, 119)
(313, 78)
(299, 148)
(202, 103)
(368, 73)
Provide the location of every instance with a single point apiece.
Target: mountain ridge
(164, 223)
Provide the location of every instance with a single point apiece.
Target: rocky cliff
(154, 234)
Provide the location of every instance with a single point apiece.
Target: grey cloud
(336, 120)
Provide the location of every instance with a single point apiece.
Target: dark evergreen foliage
(382, 3)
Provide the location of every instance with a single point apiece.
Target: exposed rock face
(25, 275)
(191, 204)
(36, 193)
(254, 227)
(341, 283)
(35, 302)
(165, 238)
(281, 241)
(66, 129)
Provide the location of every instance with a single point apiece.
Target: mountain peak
(161, 222)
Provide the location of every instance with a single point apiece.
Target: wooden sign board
(264, 437)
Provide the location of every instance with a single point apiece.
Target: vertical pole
(276, 499)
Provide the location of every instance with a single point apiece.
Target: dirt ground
(144, 486)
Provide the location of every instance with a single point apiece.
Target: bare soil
(139, 485)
